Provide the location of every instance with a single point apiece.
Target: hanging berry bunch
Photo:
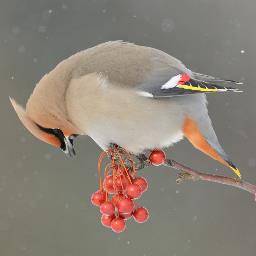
(120, 188)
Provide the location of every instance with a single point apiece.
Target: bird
(137, 97)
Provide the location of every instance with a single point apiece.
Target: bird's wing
(176, 82)
(170, 77)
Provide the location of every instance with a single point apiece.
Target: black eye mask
(66, 143)
(57, 133)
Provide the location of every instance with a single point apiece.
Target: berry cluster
(120, 189)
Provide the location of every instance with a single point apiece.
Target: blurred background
(45, 197)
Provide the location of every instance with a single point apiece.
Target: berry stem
(102, 155)
(120, 177)
(125, 169)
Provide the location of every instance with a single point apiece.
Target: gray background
(45, 197)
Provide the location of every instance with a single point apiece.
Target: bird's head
(47, 126)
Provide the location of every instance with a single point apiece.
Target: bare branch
(187, 173)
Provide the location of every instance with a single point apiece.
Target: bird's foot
(113, 146)
(112, 151)
(143, 161)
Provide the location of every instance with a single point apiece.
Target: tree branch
(187, 173)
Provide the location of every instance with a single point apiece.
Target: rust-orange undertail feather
(192, 133)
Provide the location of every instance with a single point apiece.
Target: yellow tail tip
(236, 171)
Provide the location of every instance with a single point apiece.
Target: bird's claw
(143, 161)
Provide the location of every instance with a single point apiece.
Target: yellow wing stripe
(200, 89)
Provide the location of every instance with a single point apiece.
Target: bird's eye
(57, 132)
(66, 143)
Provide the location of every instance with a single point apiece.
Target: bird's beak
(69, 150)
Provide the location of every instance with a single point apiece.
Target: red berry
(133, 191)
(141, 215)
(106, 220)
(116, 198)
(107, 208)
(142, 182)
(118, 225)
(98, 198)
(108, 184)
(121, 181)
(125, 205)
(157, 157)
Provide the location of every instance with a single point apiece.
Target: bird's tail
(198, 129)
(192, 132)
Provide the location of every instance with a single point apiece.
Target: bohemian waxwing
(137, 97)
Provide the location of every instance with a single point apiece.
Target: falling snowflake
(167, 25)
